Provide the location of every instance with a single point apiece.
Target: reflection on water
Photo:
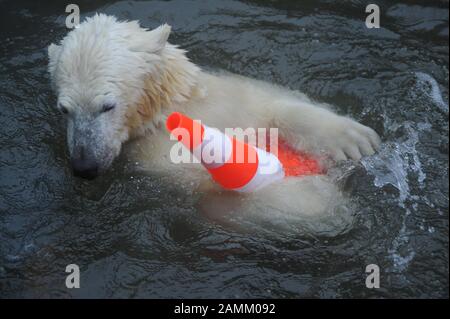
(137, 236)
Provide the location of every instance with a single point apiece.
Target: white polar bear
(116, 81)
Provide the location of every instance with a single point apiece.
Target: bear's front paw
(351, 140)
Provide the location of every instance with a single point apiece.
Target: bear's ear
(158, 37)
(53, 57)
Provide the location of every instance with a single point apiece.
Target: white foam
(434, 93)
(392, 165)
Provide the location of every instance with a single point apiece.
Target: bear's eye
(108, 107)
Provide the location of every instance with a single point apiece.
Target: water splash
(427, 84)
(396, 164)
(395, 160)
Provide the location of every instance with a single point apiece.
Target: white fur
(107, 60)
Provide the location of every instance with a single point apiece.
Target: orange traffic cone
(236, 165)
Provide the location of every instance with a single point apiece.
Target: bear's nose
(85, 168)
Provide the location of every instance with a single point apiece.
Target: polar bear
(116, 81)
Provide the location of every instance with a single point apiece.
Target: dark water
(134, 236)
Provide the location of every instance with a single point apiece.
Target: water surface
(135, 236)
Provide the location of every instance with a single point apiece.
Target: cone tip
(173, 121)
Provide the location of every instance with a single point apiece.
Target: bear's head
(111, 79)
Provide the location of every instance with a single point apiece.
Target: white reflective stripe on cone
(215, 149)
(269, 170)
